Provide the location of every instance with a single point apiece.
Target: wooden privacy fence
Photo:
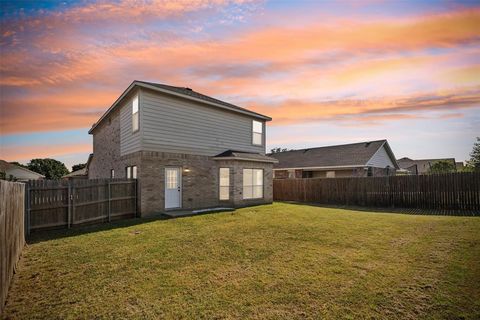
(66, 203)
(12, 236)
(456, 191)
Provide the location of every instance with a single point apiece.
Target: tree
(474, 161)
(50, 168)
(277, 150)
(442, 166)
(79, 166)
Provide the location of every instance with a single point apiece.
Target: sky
(326, 72)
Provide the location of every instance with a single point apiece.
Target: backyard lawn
(266, 262)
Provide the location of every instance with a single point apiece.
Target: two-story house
(187, 150)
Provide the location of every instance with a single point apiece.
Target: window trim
(253, 185)
(220, 184)
(137, 113)
(256, 132)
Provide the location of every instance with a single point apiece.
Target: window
(224, 192)
(257, 132)
(330, 174)
(112, 173)
(134, 172)
(131, 172)
(252, 183)
(135, 119)
(307, 174)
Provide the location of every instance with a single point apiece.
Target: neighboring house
(373, 158)
(187, 150)
(81, 173)
(420, 166)
(17, 173)
(78, 174)
(459, 165)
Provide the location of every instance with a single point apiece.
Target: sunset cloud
(295, 111)
(12, 153)
(61, 68)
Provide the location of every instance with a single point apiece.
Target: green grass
(267, 262)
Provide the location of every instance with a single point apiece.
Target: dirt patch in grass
(268, 262)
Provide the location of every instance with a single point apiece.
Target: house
(421, 166)
(187, 150)
(372, 158)
(81, 173)
(13, 172)
(78, 174)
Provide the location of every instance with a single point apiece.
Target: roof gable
(182, 92)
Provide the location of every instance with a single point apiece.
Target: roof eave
(351, 166)
(246, 159)
(148, 86)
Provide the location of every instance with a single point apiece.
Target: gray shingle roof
(240, 155)
(78, 173)
(354, 154)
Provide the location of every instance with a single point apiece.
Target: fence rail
(456, 191)
(12, 236)
(66, 203)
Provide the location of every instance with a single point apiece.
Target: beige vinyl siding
(172, 124)
(381, 159)
(129, 141)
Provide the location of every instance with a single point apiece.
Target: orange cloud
(70, 76)
(14, 153)
(296, 111)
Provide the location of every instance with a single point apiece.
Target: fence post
(70, 201)
(27, 208)
(136, 197)
(109, 201)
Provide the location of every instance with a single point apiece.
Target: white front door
(173, 188)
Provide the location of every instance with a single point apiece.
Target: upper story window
(112, 174)
(257, 132)
(135, 118)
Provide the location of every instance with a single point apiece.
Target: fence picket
(62, 204)
(457, 191)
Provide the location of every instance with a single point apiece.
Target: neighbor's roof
(423, 165)
(4, 165)
(339, 156)
(184, 93)
(245, 156)
(77, 173)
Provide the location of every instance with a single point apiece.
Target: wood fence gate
(66, 203)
